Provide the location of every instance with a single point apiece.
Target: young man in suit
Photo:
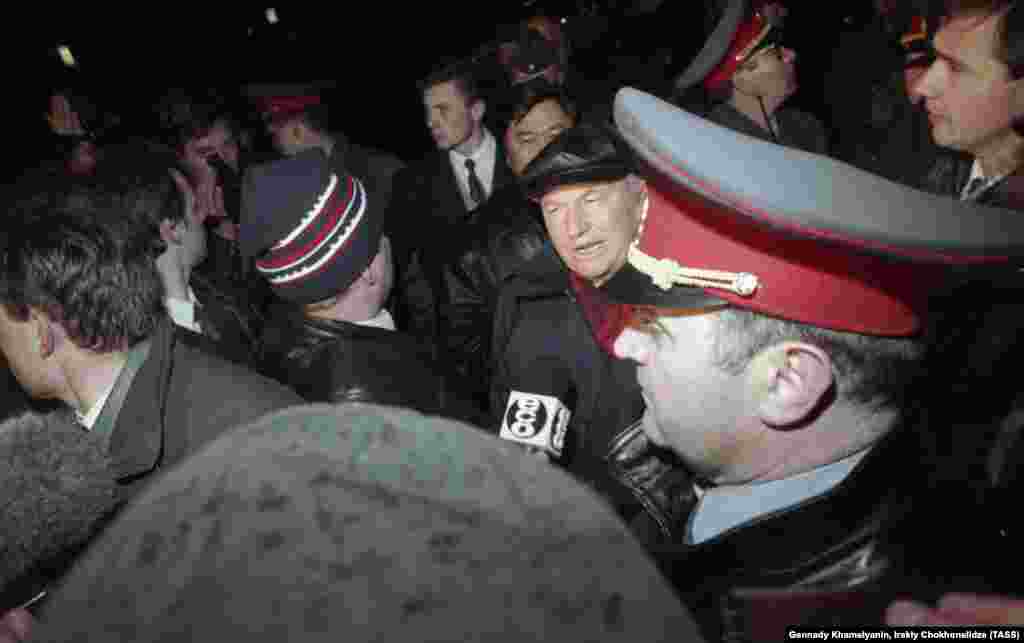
(436, 195)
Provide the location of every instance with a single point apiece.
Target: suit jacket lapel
(502, 172)
(446, 187)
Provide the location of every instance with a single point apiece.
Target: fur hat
(362, 522)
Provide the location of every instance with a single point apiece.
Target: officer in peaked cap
(773, 301)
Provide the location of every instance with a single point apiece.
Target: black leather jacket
(542, 341)
(336, 361)
(838, 559)
(453, 288)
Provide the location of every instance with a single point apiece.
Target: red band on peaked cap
(830, 245)
(749, 33)
(281, 107)
(800, 279)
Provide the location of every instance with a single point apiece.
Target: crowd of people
(687, 367)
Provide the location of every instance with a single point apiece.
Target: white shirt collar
(88, 420)
(383, 320)
(485, 158)
(978, 172)
(183, 313)
(722, 508)
(487, 147)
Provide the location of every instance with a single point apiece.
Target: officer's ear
(789, 383)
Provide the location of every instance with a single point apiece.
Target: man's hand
(958, 609)
(16, 625)
(208, 193)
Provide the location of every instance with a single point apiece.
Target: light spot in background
(65, 55)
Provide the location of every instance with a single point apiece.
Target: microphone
(537, 414)
(56, 488)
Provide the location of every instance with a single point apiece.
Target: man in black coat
(434, 197)
(213, 307)
(501, 239)
(318, 240)
(83, 321)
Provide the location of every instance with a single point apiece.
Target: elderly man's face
(592, 225)
(532, 133)
(967, 89)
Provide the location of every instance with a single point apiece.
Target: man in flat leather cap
(319, 241)
(779, 360)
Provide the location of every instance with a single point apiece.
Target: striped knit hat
(308, 226)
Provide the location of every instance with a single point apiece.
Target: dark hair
(869, 370)
(525, 96)
(461, 72)
(1011, 45)
(70, 253)
(141, 172)
(185, 117)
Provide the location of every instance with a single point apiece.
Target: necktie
(476, 187)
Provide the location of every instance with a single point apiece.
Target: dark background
(374, 51)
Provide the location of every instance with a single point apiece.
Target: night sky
(375, 52)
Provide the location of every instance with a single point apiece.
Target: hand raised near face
(958, 609)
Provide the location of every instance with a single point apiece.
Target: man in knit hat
(316, 233)
(773, 302)
(364, 523)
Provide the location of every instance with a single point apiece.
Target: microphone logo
(526, 417)
(537, 421)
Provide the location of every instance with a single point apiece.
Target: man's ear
(47, 335)
(374, 272)
(789, 382)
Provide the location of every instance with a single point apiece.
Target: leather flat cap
(584, 154)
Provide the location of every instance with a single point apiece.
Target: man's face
(532, 133)
(218, 143)
(770, 73)
(193, 232)
(592, 225)
(966, 89)
(286, 134)
(450, 117)
(694, 407)
(20, 345)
